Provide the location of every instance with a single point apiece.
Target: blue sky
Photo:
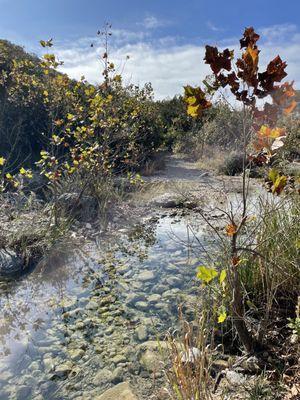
(164, 38)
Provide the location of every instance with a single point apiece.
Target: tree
(248, 86)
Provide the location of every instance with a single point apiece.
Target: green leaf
(206, 274)
(222, 276)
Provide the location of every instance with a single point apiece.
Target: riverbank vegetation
(253, 284)
(71, 151)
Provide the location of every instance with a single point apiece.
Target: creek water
(81, 322)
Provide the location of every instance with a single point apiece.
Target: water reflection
(90, 310)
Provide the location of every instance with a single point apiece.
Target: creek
(88, 317)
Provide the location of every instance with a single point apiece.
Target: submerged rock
(118, 375)
(10, 263)
(122, 391)
(141, 333)
(154, 298)
(63, 370)
(141, 305)
(118, 359)
(150, 360)
(146, 276)
(23, 392)
(76, 354)
(104, 376)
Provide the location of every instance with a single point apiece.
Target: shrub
(233, 164)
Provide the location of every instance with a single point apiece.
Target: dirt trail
(178, 168)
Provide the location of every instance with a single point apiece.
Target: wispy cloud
(152, 22)
(166, 64)
(213, 27)
(279, 33)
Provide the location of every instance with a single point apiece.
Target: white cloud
(279, 33)
(213, 27)
(169, 66)
(151, 22)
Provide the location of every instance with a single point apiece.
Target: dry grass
(189, 361)
(213, 158)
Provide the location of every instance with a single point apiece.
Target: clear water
(91, 310)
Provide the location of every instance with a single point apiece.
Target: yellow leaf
(206, 274)
(267, 132)
(222, 317)
(9, 176)
(195, 101)
(22, 171)
(2, 161)
(273, 174)
(222, 276)
(279, 184)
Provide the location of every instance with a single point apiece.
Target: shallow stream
(83, 321)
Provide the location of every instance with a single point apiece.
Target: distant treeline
(36, 100)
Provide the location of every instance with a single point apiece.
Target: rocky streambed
(86, 323)
(90, 319)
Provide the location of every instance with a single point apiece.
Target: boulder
(122, 391)
(10, 263)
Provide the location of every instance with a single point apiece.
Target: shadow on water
(90, 309)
